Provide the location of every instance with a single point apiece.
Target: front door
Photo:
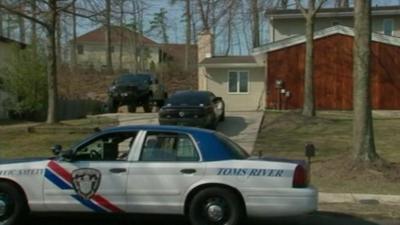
(94, 180)
(168, 165)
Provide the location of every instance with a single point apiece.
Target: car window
(108, 147)
(168, 147)
(189, 98)
(235, 149)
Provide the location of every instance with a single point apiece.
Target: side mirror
(68, 154)
(56, 149)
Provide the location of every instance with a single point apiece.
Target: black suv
(132, 90)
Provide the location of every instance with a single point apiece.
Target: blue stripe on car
(56, 180)
(89, 204)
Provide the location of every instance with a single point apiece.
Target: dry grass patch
(333, 170)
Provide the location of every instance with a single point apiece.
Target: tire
(17, 205)
(147, 106)
(228, 209)
(132, 108)
(112, 106)
(222, 117)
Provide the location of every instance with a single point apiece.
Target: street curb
(358, 198)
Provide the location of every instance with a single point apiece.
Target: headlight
(112, 88)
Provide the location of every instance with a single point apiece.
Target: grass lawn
(17, 142)
(333, 170)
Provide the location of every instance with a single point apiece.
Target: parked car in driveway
(193, 108)
(198, 173)
(132, 90)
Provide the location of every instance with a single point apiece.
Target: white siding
(217, 82)
(284, 28)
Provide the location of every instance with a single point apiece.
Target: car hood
(22, 160)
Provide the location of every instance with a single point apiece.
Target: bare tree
(74, 36)
(108, 37)
(255, 12)
(309, 14)
(21, 22)
(49, 23)
(34, 41)
(188, 15)
(342, 3)
(1, 19)
(283, 4)
(363, 135)
(121, 33)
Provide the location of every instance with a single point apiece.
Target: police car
(156, 169)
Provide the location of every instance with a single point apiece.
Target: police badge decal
(86, 182)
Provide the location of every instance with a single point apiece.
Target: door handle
(188, 171)
(118, 170)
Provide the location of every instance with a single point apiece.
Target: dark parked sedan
(193, 108)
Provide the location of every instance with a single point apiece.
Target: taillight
(300, 177)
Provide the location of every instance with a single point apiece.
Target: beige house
(136, 51)
(239, 80)
(242, 81)
(283, 24)
(91, 49)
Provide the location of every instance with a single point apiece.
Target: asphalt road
(319, 218)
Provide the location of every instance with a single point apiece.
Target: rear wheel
(132, 107)
(13, 206)
(112, 106)
(222, 117)
(147, 105)
(215, 206)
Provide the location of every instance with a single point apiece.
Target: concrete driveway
(242, 127)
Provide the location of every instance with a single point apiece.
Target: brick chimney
(205, 49)
(205, 45)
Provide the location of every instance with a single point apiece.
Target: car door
(168, 164)
(94, 179)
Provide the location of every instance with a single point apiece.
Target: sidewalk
(359, 198)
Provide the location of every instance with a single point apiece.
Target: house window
(80, 49)
(388, 26)
(238, 82)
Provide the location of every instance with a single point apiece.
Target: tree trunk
(121, 38)
(1, 20)
(108, 37)
(188, 34)
(256, 23)
(309, 101)
(74, 36)
(58, 40)
(363, 135)
(342, 4)
(21, 24)
(284, 4)
(34, 32)
(52, 64)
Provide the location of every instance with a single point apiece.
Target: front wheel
(216, 206)
(132, 107)
(147, 106)
(13, 206)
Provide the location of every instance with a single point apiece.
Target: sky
(176, 31)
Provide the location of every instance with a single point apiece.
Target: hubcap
(3, 207)
(215, 212)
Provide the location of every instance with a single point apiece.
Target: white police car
(156, 169)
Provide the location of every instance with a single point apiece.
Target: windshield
(133, 78)
(237, 151)
(189, 98)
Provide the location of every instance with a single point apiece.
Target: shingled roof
(98, 35)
